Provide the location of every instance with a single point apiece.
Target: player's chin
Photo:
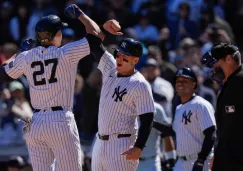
(180, 92)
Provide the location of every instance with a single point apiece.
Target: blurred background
(174, 33)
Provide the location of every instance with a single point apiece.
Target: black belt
(54, 108)
(106, 137)
(183, 158)
(146, 158)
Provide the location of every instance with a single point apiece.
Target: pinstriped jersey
(50, 72)
(191, 119)
(122, 99)
(152, 146)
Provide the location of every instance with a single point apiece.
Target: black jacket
(229, 117)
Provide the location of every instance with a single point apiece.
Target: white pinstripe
(189, 137)
(118, 116)
(152, 146)
(106, 154)
(53, 134)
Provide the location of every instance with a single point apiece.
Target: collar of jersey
(194, 95)
(118, 75)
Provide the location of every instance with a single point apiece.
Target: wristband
(170, 155)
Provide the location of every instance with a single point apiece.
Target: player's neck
(186, 99)
(126, 74)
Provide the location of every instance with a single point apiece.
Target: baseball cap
(151, 62)
(16, 162)
(130, 47)
(186, 72)
(15, 85)
(218, 52)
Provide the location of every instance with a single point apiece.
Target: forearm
(146, 121)
(208, 142)
(90, 26)
(164, 129)
(96, 47)
(169, 148)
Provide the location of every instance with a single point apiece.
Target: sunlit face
(125, 64)
(222, 64)
(184, 86)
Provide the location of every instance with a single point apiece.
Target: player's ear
(135, 60)
(194, 84)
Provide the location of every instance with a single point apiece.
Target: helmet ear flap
(115, 53)
(43, 37)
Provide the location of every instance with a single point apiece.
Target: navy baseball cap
(218, 52)
(130, 47)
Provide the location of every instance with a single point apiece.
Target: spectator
(18, 24)
(182, 26)
(5, 14)
(163, 91)
(145, 31)
(9, 49)
(208, 17)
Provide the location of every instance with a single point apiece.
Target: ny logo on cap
(180, 72)
(123, 44)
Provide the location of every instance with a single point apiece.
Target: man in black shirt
(225, 61)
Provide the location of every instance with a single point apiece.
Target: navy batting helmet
(47, 27)
(130, 47)
(188, 73)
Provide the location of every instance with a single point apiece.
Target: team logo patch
(186, 117)
(123, 44)
(230, 109)
(11, 64)
(180, 72)
(118, 94)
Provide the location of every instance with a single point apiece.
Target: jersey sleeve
(76, 50)
(205, 115)
(160, 115)
(107, 62)
(15, 68)
(144, 99)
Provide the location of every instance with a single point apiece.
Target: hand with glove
(198, 165)
(73, 11)
(27, 44)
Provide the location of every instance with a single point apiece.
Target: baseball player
(125, 95)
(194, 125)
(51, 73)
(150, 157)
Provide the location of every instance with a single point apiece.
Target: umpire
(225, 61)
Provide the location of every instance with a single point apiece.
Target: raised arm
(25, 45)
(91, 27)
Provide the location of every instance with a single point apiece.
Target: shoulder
(82, 41)
(162, 82)
(139, 79)
(201, 103)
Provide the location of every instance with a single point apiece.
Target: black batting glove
(27, 44)
(198, 165)
(73, 11)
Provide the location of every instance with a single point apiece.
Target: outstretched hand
(133, 153)
(113, 27)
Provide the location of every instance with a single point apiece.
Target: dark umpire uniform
(229, 115)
